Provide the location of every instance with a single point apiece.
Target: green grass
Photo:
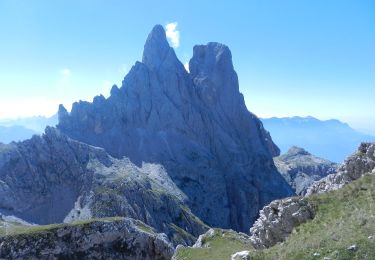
(343, 218)
(220, 246)
(142, 226)
(17, 229)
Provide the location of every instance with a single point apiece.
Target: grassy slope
(220, 246)
(344, 217)
(18, 229)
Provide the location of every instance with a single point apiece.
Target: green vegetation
(142, 226)
(17, 229)
(220, 246)
(343, 218)
(181, 235)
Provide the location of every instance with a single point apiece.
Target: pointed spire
(62, 113)
(156, 47)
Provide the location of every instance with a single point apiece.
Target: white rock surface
(278, 219)
(242, 255)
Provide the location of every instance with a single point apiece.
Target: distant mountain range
(35, 123)
(329, 139)
(15, 133)
(24, 128)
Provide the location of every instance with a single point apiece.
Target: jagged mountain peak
(212, 71)
(157, 49)
(207, 58)
(196, 125)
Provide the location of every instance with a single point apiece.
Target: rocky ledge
(120, 238)
(278, 219)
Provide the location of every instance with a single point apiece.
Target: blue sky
(292, 57)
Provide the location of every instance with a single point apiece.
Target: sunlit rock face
(194, 124)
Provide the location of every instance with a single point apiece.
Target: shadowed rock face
(196, 125)
(300, 168)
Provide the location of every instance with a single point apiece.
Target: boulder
(278, 219)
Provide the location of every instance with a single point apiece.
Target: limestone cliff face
(300, 168)
(52, 178)
(196, 125)
(105, 239)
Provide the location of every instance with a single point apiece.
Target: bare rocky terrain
(300, 168)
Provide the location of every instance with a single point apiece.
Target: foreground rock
(300, 168)
(242, 255)
(278, 219)
(194, 124)
(53, 179)
(355, 166)
(108, 239)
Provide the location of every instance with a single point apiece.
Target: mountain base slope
(343, 228)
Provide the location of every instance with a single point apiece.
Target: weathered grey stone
(51, 179)
(278, 219)
(300, 168)
(196, 125)
(242, 255)
(120, 239)
(200, 242)
(355, 166)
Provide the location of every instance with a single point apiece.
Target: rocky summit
(195, 125)
(300, 168)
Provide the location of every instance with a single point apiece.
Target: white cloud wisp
(173, 35)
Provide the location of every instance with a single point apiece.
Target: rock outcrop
(104, 239)
(300, 168)
(194, 124)
(355, 166)
(278, 219)
(52, 178)
(242, 255)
